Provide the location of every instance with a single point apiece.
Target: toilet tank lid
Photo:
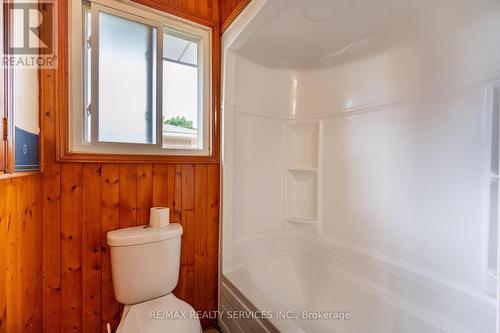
(143, 235)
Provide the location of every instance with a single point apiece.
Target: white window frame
(162, 22)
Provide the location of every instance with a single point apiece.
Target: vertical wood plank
(160, 184)
(213, 193)
(189, 6)
(171, 192)
(144, 192)
(71, 247)
(91, 250)
(52, 249)
(12, 244)
(128, 195)
(29, 295)
(214, 11)
(110, 214)
(174, 193)
(178, 194)
(51, 199)
(183, 274)
(3, 256)
(202, 8)
(37, 208)
(200, 237)
(51, 207)
(188, 199)
(22, 267)
(27, 249)
(175, 3)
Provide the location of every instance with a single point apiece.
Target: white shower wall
(261, 103)
(258, 175)
(408, 181)
(405, 153)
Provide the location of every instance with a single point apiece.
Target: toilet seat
(166, 314)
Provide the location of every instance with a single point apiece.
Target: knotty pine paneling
(82, 202)
(21, 254)
(97, 198)
(110, 220)
(202, 11)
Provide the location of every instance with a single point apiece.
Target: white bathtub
(287, 272)
(363, 178)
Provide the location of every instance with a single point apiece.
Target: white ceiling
(307, 34)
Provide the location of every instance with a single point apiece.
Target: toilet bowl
(164, 314)
(145, 269)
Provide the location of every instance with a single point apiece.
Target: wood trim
(8, 90)
(226, 22)
(3, 156)
(194, 14)
(62, 116)
(134, 159)
(5, 106)
(19, 174)
(3, 144)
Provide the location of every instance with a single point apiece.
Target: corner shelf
(302, 220)
(302, 169)
(302, 175)
(302, 139)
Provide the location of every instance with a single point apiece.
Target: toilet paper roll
(159, 217)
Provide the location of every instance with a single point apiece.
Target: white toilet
(145, 268)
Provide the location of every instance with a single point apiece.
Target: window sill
(4, 176)
(134, 159)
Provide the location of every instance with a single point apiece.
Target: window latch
(5, 127)
(88, 109)
(89, 42)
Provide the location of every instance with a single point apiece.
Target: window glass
(182, 122)
(127, 81)
(87, 74)
(3, 94)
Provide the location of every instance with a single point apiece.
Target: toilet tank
(144, 262)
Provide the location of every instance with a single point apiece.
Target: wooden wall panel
(200, 243)
(128, 195)
(144, 193)
(201, 11)
(98, 198)
(175, 177)
(51, 205)
(20, 254)
(11, 255)
(29, 259)
(82, 202)
(71, 247)
(3, 256)
(160, 185)
(110, 220)
(91, 248)
(212, 236)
